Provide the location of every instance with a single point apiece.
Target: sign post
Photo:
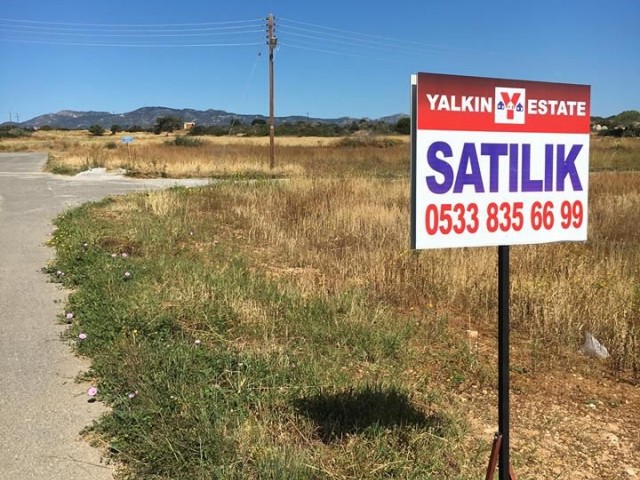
(498, 162)
(503, 360)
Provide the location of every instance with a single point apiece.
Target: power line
(131, 25)
(237, 33)
(385, 47)
(131, 45)
(106, 30)
(370, 38)
(345, 54)
(140, 35)
(356, 50)
(350, 37)
(245, 91)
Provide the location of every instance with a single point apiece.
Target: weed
(233, 372)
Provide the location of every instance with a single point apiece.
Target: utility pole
(272, 41)
(17, 118)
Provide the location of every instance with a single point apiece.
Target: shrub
(377, 142)
(96, 130)
(167, 123)
(11, 131)
(403, 126)
(184, 141)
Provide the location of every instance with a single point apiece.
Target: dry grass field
(216, 157)
(337, 231)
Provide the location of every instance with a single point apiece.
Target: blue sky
(335, 58)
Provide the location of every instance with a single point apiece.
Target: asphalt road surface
(42, 408)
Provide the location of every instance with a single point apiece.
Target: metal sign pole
(412, 173)
(503, 360)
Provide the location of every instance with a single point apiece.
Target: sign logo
(510, 105)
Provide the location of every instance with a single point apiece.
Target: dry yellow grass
(330, 235)
(611, 153)
(229, 156)
(343, 224)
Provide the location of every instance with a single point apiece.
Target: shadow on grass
(359, 411)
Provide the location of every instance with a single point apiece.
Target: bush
(96, 130)
(403, 126)
(184, 141)
(377, 142)
(209, 130)
(167, 124)
(11, 131)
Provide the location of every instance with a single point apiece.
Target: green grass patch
(214, 370)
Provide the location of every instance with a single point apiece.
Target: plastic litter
(592, 347)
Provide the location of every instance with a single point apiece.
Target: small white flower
(125, 255)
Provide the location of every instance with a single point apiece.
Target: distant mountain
(146, 117)
(393, 119)
(626, 118)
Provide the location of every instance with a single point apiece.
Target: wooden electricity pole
(272, 42)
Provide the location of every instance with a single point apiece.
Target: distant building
(188, 125)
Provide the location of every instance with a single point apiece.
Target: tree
(115, 129)
(403, 126)
(96, 129)
(258, 121)
(167, 124)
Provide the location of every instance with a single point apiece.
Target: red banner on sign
(452, 102)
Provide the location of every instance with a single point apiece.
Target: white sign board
(498, 162)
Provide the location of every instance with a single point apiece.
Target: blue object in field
(126, 139)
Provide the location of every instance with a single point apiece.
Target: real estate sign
(498, 162)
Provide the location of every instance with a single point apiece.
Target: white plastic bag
(593, 348)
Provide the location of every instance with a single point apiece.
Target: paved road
(42, 409)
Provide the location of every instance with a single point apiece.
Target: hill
(145, 117)
(624, 124)
(627, 118)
